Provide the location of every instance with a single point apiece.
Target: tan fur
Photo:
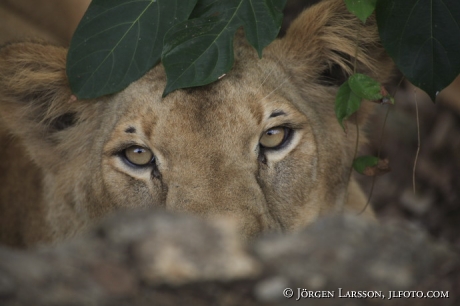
(205, 139)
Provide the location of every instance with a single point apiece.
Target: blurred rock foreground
(159, 258)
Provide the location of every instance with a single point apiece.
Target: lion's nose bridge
(232, 192)
(205, 192)
(207, 181)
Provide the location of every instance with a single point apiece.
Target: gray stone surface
(159, 258)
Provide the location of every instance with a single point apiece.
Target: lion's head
(261, 145)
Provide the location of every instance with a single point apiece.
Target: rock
(160, 258)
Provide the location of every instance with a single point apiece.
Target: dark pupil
(139, 150)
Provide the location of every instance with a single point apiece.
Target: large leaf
(118, 41)
(262, 21)
(423, 38)
(199, 51)
(261, 18)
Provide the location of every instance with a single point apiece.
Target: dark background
(435, 206)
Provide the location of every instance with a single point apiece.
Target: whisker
(278, 87)
(266, 78)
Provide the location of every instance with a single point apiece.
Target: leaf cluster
(118, 41)
(353, 91)
(422, 37)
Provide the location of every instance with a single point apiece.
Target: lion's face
(238, 148)
(261, 145)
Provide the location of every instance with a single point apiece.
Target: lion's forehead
(222, 107)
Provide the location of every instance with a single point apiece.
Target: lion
(261, 146)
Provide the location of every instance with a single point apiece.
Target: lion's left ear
(323, 44)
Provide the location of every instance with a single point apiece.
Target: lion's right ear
(326, 41)
(32, 83)
(35, 97)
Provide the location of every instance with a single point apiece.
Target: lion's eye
(138, 156)
(274, 137)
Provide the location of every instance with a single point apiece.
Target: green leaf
(365, 87)
(371, 165)
(199, 51)
(346, 103)
(423, 38)
(118, 41)
(361, 163)
(261, 18)
(361, 8)
(262, 22)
